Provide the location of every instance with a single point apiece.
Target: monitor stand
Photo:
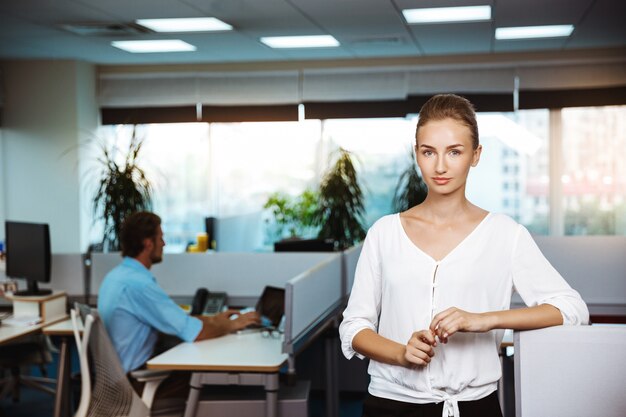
(32, 290)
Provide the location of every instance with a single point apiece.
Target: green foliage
(123, 189)
(294, 214)
(411, 189)
(341, 207)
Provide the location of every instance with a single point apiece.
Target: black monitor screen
(28, 254)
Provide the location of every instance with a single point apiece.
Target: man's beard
(156, 259)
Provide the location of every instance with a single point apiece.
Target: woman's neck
(441, 208)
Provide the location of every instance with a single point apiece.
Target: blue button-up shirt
(134, 308)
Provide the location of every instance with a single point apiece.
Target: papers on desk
(21, 321)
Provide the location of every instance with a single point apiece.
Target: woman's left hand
(453, 320)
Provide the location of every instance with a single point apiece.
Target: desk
(9, 333)
(234, 359)
(65, 331)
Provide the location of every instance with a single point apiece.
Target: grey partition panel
(595, 266)
(101, 264)
(573, 371)
(310, 296)
(238, 274)
(68, 273)
(351, 257)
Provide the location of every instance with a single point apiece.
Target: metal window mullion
(556, 171)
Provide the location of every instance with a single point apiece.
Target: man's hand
(419, 348)
(221, 324)
(242, 321)
(453, 320)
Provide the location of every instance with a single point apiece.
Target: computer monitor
(28, 255)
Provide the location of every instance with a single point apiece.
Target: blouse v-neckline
(447, 255)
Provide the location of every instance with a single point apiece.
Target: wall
(49, 108)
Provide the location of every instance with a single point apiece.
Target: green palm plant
(123, 189)
(411, 189)
(341, 210)
(296, 214)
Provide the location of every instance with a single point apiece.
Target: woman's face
(445, 155)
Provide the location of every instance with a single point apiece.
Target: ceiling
(366, 29)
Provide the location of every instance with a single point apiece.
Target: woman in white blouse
(433, 285)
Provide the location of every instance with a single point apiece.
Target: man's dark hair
(136, 228)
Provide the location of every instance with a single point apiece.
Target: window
(228, 170)
(498, 180)
(594, 172)
(175, 158)
(383, 149)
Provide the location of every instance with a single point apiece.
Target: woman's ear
(476, 156)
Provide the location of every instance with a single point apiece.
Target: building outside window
(594, 172)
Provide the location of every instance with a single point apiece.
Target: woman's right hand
(420, 348)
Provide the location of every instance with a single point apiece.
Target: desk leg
(271, 395)
(194, 395)
(62, 396)
(332, 400)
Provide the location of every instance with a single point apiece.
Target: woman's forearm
(374, 346)
(528, 318)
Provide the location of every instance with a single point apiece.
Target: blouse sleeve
(537, 282)
(364, 304)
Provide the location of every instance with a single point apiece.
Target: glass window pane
(594, 172)
(512, 175)
(253, 160)
(175, 158)
(383, 149)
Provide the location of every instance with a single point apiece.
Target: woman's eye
(454, 152)
(427, 153)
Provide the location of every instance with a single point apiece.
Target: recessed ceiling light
(321, 41)
(191, 24)
(447, 14)
(528, 32)
(167, 45)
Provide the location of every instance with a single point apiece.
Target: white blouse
(398, 289)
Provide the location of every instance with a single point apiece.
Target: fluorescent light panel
(530, 32)
(321, 41)
(191, 24)
(447, 14)
(167, 45)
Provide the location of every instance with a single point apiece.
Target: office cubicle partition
(311, 298)
(350, 259)
(238, 274)
(571, 371)
(595, 266)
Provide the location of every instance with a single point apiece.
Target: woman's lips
(441, 180)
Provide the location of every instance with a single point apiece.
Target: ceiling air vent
(105, 29)
(378, 40)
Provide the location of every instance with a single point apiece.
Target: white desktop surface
(248, 352)
(8, 333)
(62, 328)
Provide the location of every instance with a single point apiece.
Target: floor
(35, 403)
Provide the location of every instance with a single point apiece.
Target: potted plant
(411, 189)
(296, 215)
(122, 190)
(341, 204)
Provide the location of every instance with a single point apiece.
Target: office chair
(111, 393)
(29, 351)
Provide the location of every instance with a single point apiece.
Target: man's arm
(221, 324)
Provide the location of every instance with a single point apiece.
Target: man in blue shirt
(134, 308)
